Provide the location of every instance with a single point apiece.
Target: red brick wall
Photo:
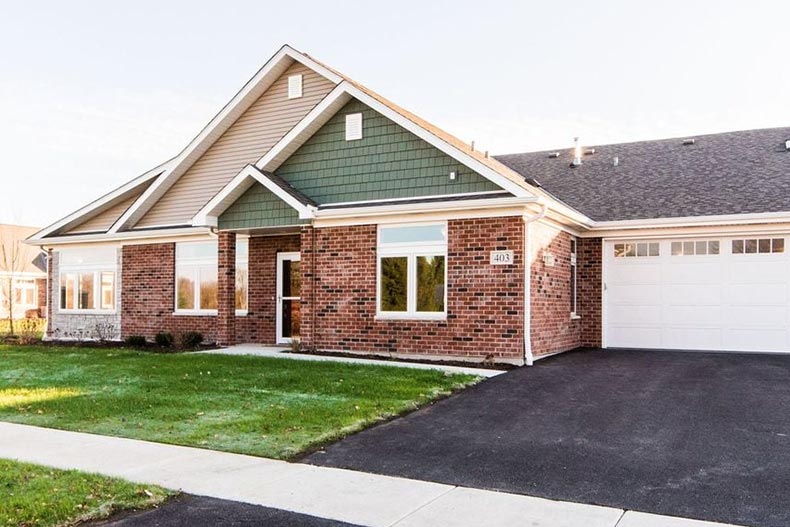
(590, 260)
(552, 329)
(148, 294)
(485, 303)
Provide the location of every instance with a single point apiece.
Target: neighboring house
(23, 274)
(312, 208)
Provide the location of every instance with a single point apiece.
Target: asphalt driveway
(686, 434)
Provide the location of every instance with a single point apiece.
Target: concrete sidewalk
(277, 352)
(353, 497)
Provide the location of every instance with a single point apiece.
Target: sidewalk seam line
(620, 519)
(415, 511)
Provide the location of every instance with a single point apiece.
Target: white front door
(713, 293)
(288, 296)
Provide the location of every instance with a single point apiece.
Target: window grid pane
(394, 286)
(430, 284)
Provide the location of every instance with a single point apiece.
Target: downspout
(528, 358)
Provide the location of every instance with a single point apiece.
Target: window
(294, 86)
(353, 126)
(197, 283)
(25, 293)
(698, 248)
(636, 249)
(197, 286)
(87, 280)
(758, 245)
(412, 271)
(573, 277)
(242, 274)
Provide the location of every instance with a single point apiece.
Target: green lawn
(251, 405)
(31, 495)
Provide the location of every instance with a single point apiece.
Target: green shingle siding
(258, 207)
(388, 162)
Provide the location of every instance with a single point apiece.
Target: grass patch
(32, 495)
(251, 405)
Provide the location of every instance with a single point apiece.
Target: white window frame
(636, 244)
(757, 239)
(410, 250)
(22, 286)
(195, 264)
(574, 279)
(108, 265)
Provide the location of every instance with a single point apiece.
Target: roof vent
(555, 155)
(787, 145)
(577, 153)
(589, 151)
(687, 142)
(615, 160)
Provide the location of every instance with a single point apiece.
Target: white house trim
(209, 214)
(103, 202)
(251, 91)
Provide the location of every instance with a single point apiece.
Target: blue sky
(94, 93)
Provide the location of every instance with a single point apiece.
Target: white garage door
(712, 293)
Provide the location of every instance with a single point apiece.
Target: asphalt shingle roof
(728, 173)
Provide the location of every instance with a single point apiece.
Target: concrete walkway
(353, 497)
(283, 353)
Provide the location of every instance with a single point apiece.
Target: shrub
(191, 339)
(164, 339)
(135, 341)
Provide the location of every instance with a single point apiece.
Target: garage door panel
(636, 315)
(693, 273)
(756, 316)
(636, 295)
(693, 295)
(758, 268)
(757, 294)
(754, 339)
(695, 338)
(635, 337)
(725, 301)
(693, 316)
(633, 273)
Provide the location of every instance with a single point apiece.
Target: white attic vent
(294, 86)
(787, 145)
(687, 142)
(353, 126)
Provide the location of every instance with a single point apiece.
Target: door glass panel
(291, 278)
(291, 318)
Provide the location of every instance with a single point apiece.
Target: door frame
(281, 257)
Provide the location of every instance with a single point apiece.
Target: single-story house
(23, 274)
(312, 208)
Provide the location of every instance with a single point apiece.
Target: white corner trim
(78, 215)
(208, 216)
(265, 76)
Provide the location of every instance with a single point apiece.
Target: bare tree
(12, 262)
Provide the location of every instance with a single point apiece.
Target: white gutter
(486, 203)
(528, 357)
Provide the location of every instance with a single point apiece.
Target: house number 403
(501, 257)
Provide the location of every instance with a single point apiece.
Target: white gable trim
(209, 215)
(103, 202)
(251, 91)
(343, 93)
